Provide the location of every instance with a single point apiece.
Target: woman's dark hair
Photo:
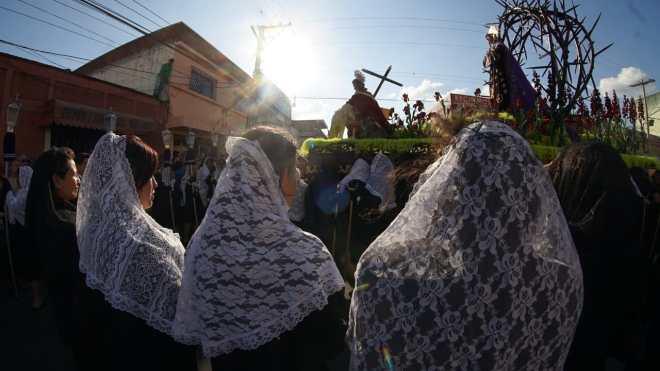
(54, 161)
(585, 172)
(278, 145)
(142, 158)
(40, 208)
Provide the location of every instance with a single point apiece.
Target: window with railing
(202, 84)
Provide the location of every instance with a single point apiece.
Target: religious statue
(361, 115)
(509, 88)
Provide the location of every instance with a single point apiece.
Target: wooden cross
(382, 78)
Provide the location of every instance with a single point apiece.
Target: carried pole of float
(9, 254)
(168, 143)
(190, 142)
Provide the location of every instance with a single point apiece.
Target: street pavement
(28, 338)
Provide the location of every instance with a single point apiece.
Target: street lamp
(168, 139)
(13, 110)
(9, 140)
(190, 139)
(110, 121)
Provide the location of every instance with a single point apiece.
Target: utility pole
(259, 32)
(643, 84)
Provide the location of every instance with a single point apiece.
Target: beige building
(205, 90)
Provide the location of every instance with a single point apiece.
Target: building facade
(63, 108)
(204, 90)
(653, 108)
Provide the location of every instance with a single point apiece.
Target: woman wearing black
(129, 258)
(26, 260)
(258, 293)
(604, 214)
(50, 219)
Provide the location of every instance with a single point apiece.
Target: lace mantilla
(124, 253)
(478, 272)
(251, 274)
(16, 200)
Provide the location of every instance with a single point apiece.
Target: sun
(288, 61)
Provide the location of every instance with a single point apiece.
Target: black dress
(613, 272)
(101, 337)
(311, 346)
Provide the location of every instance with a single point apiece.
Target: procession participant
(50, 217)
(258, 293)
(27, 261)
(477, 272)
(604, 214)
(129, 258)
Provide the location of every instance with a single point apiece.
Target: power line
(138, 13)
(378, 99)
(152, 12)
(96, 6)
(113, 66)
(96, 18)
(40, 57)
(131, 23)
(421, 27)
(423, 19)
(402, 43)
(55, 25)
(66, 20)
(440, 75)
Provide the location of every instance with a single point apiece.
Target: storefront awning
(77, 115)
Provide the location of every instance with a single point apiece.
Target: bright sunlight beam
(288, 62)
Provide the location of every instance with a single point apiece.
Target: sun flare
(288, 61)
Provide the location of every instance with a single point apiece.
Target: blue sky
(432, 45)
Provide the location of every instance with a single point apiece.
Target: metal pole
(171, 185)
(9, 254)
(646, 117)
(348, 261)
(334, 230)
(194, 196)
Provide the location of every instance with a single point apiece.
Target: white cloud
(315, 110)
(458, 91)
(621, 82)
(425, 90)
(485, 90)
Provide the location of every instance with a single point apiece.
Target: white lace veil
(16, 201)
(478, 272)
(124, 253)
(250, 273)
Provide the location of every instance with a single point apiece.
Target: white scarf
(250, 274)
(16, 200)
(478, 272)
(124, 253)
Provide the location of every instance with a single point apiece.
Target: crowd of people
(495, 262)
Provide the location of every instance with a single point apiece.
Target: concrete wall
(149, 60)
(653, 102)
(191, 109)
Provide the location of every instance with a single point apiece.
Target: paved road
(28, 338)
